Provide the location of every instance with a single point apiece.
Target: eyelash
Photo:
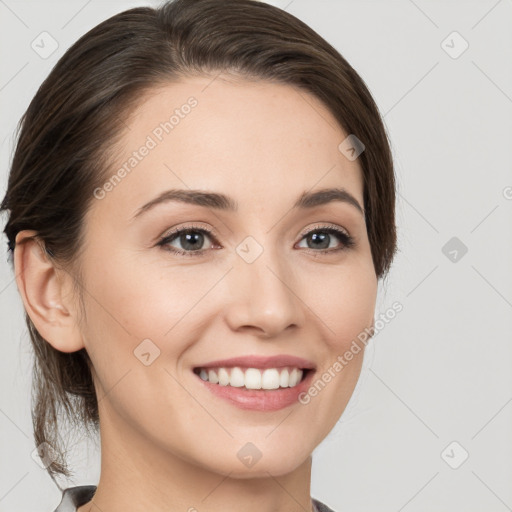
(346, 240)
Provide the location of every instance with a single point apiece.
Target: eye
(321, 237)
(191, 239)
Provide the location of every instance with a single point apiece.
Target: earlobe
(42, 292)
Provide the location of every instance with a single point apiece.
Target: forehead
(253, 140)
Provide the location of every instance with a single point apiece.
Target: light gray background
(441, 370)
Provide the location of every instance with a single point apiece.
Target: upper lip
(255, 361)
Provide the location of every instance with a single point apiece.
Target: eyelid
(325, 225)
(213, 231)
(200, 227)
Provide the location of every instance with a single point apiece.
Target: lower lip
(260, 399)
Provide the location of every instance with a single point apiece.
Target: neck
(136, 475)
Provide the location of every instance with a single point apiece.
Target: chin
(246, 460)
(262, 469)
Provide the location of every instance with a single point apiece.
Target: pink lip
(260, 399)
(260, 362)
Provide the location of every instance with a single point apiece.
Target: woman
(201, 204)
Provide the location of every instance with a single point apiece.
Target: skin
(166, 442)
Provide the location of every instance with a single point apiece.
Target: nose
(264, 297)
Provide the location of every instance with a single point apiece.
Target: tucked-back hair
(65, 137)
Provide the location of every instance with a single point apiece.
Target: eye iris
(187, 238)
(322, 237)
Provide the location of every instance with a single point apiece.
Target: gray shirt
(74, 497)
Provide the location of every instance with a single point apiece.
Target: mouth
(257, 383)
(253, 378)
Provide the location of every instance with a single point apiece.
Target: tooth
(284, 378)
(252, 378)
(223, 377)
(237, 377)
(212, 377)
(270, 379)
(293, 378)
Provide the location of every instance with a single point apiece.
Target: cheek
(345, 303)
(134, 331)
(135, 307)
(142, 298)
(345, 306)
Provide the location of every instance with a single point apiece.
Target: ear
(42, 289)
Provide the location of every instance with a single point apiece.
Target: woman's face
(261, 280)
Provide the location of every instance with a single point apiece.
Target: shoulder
(74, 497)
(321, 507)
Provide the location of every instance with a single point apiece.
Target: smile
(257, 382)
(252, 378)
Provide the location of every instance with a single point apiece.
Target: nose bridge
(263, 294)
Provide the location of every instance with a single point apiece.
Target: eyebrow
(219, 201)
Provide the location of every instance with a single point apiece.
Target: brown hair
(65, 136)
